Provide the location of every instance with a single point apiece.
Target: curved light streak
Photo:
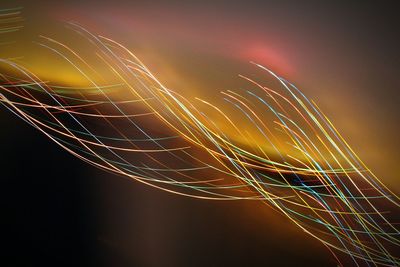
(288, 155)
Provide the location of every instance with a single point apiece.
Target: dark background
(59, 211)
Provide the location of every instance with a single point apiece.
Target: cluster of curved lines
(291, 157)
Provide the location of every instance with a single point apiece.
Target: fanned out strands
(10, 20)
(266, 144)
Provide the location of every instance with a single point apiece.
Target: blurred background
(58, 211)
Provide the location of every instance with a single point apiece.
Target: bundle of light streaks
(257, 143)
(10, 20)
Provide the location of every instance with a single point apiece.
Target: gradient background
(58, 211)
